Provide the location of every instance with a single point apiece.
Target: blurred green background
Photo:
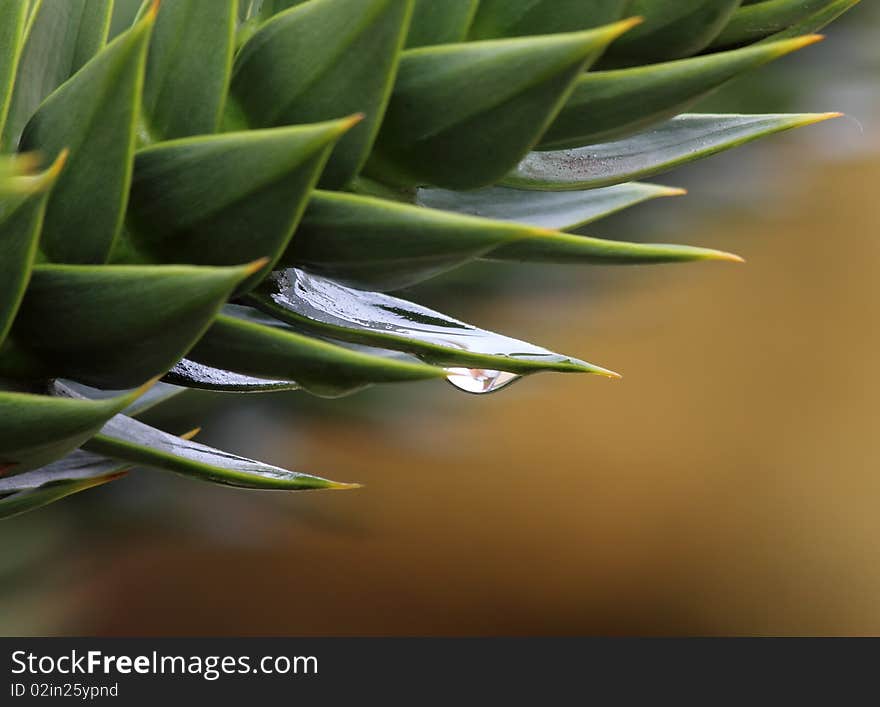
(729, 484)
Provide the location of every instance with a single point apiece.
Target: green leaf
(518, 18)
(751, 23)
(94, 115)
(157, 395)
(814, 22)
(94, 471)
(317, 305)
(226, 199)
(60, 38)
(38, 429)
(135, 443)
(377, 244)
(323, 60)
(188, 68)
(197, 375)
(672, 29)
(674, 143)
(263, 348)
(440, 22)
(561, 211)
(21, 218)
(113, 326)
(609, 105)
(462, 115)
(13, 14)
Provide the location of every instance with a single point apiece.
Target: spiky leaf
(609, 105)
(21, 218)
(114, 326)
(93, 114)
(326, 308)
(324, 60)
(226, 199)
(517, 18)
(561, 211)
(38, 429)
(60, 38)
(135, 443)
(188, 68)
(462, 115)
(674, 143)
(258, 346)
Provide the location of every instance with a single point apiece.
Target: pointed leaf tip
(150, 14)
(56, 167)
(254, 267)
(191, 434)
(337, 486)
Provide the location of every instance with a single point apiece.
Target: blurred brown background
(729, 484)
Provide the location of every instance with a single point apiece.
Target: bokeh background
(729, 484)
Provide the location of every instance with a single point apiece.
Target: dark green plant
(233, 188)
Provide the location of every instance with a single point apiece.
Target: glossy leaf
(323, 307)
(444, 22)
(94, 115)
(674, 143)
(462, 115)
(561, 211)
(135, 443)
(609, 105)
(61, 38)
(188, 68)
(751, 23)
(517, 18)
(197, 375)
(324, 60)
(46, 490)
(114, 326)
(38, 429)
(672, 29)
(381, 245)
(21, 218)
(13, 14)
(158, 394)
(264, 348)
(226, 199)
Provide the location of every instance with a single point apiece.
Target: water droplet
(479, 380)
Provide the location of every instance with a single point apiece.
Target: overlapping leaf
(94, 115)
(754, 22)
(38, 429)
(227, 199)
(13, 14)
(672, 29)
(560, 211)
(60, 38)
(462, 115)
(674, 143)
(320, 306)
(114, 326)
(375, 244)
(517, 18)
(76, 472)
(21, 216)
(245, 342)
(323, 60)
(188, 68)
(609, 105)
(135, 443)
(444, 22)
